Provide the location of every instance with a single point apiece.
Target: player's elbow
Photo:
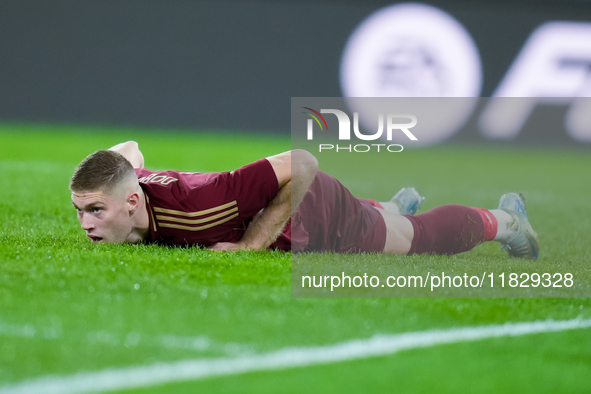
(127, 145)
(131, 151)
(303, 163)
(297, 164)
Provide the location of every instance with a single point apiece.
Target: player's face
(104, 217)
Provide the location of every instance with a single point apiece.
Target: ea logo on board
(413, 50)
(552, 68)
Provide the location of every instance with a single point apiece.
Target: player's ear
(133, 202)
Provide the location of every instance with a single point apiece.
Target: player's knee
(399, 234)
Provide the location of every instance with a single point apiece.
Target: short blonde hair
(102, 170)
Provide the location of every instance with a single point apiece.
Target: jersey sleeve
(254, 186)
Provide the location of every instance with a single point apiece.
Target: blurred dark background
(216, 65)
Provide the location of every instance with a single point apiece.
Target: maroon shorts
(330, 218)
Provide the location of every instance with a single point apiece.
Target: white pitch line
(379, 345)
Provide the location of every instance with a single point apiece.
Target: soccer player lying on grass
(281, 202)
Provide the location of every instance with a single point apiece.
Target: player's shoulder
(184, 180)
(165, 178)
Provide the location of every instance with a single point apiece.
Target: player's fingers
(224, 246)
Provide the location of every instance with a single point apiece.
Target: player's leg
(448, 229)
(452, 229)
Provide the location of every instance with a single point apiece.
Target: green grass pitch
(68, 306)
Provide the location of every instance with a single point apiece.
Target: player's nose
(86, 222)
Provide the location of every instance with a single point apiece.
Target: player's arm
(131, 151)
(295, 171)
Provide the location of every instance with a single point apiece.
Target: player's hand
(232, 246)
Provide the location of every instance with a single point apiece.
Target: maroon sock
(448, 229)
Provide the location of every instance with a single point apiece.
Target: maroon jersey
(205, 208)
